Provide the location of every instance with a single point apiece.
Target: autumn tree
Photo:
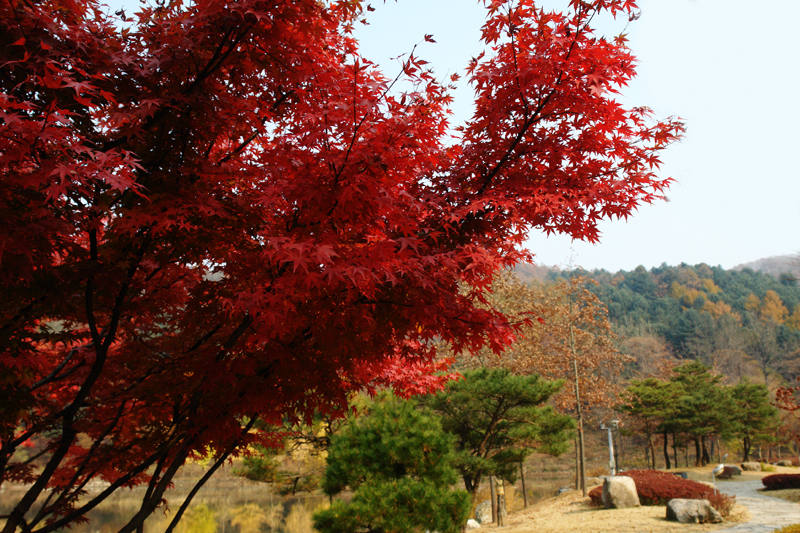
(652, 356)
(565, 335)
(217, 212)
(572, 339)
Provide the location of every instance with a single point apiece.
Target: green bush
(657, 488)
(767, 467)
(398, 462)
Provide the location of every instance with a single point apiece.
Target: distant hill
(529, 273)
(774, 266)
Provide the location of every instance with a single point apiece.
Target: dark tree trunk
(675, 450)
(524, 491)
(698, 454)
(746, 446)
(706, 457)
(667, 465)
(493, 492)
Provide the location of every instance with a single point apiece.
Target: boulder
(751, 467)
(483, 513)
(735, 470)
(473, 524)
(785, 462)
(619, 492)
(692, 512)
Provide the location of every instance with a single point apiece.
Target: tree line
(694, 407)
(739, 322)
(406, 454)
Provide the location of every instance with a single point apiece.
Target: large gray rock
(473, 524)
(483, 513)
(692, 512)
(785, 462)
(619, 492)
(751, 467)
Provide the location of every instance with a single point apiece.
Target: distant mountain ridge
(775, 265)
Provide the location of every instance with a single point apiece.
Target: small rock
(785, 462)
(619, 492)
(692, 512)
(751, 467)
(473, 524)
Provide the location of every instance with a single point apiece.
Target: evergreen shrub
(398, 462)
(781, 481)
(657, 488)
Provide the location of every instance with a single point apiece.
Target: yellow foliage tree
(793, 321)
(710, 286)
(753, 303)
(716, 309)
(772, 308)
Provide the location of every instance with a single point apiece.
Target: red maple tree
(218, 212)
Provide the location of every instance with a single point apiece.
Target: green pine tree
(397, 460)
(756, 419)
(705, 410)
(498, 419)
(653, 404)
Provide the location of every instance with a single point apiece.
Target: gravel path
(768, 513)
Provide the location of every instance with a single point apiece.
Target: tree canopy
(498, 419)
(216, 212)
(398, 462)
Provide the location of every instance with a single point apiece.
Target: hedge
(781, 481)
(657, 488)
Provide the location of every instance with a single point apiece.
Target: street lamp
(612, 425)
(717, 471)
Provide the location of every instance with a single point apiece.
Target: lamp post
(717, 471)
(614, 424)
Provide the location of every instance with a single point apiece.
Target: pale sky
(729, 68)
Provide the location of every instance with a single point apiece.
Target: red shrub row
(781, 481)
(657, 488)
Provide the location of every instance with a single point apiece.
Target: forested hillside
(739, 322)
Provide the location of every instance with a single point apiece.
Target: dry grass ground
(572, 512)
